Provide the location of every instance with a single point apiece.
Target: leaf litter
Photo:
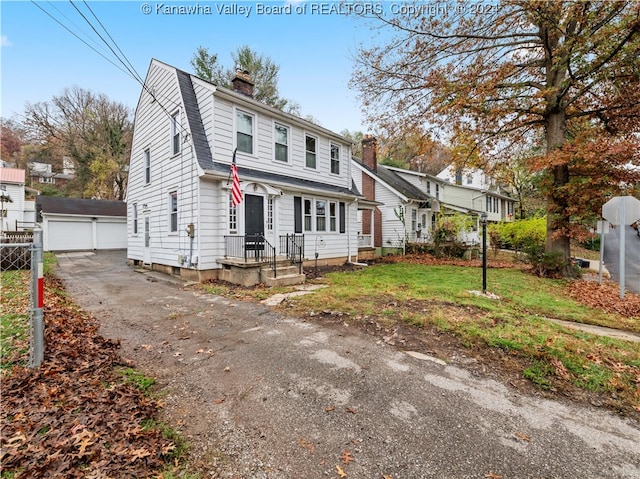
(75, 416)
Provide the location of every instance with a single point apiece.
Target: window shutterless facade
(173, 211)
(244, 132)
(135, 218)
(311, 151)
(175, 133)
(335, 159)
(147, 166)
(281, 143)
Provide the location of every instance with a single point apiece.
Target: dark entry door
(253, 214)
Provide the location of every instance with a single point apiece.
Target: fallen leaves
(523, 437)
(340, 471)
(346, 457)
(75, 417)
(605, 297)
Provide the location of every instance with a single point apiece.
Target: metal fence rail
(28, 256)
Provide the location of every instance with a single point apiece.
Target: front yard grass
(439, 297)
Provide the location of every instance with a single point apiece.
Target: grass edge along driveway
(438, 296)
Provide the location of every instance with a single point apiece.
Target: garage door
(111, 234)
(69, 235)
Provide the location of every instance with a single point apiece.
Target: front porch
(251, 260)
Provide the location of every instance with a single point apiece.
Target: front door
(147, 241)
(253, 214)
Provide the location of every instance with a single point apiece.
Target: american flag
(236, 193)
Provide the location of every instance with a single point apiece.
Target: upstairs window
(147, 166)
(244, 134)
(175, 133)
(281, 143)
(335, 159)
(310, 151)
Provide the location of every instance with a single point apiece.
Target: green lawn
(439, 296)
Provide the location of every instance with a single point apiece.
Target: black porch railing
(293, 247)
(252, 248)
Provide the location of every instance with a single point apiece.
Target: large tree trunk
(557, 216)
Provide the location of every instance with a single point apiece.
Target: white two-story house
(295, 178)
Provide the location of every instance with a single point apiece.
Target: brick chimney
(242, 83)
(370, 152)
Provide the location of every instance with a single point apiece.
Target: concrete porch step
(281, 270)
(283, 279)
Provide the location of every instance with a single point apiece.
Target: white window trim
(254, 127)
(304, 148)
(169, 212)
(331, 145)
(147, 163)
(273, 143)
(176, 127)
(136, 223)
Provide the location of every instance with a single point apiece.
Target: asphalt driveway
(263, 396)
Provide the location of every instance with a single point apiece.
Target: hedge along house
(298, 198)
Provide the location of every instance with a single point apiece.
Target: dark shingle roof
(192, 111)
(398, 183)
(249, 174)
(76, 206)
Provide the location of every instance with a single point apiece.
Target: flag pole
(232, 162)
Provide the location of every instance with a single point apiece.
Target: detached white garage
(72, 224)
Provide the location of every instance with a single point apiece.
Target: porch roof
(221, 171)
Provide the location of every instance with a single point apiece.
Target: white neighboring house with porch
(399, 211)
(295, 176)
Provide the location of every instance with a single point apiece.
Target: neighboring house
(73, 224)
(12, 200)
(295, 179)
(473, 190)
(404, 211)
(410, 202)
(42, 174)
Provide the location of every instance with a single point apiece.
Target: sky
(313, 44)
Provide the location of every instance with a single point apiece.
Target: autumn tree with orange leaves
(507, 74)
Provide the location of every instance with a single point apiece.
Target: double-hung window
(308, 215)
(321, 215)
(147, 166)
(311, 151)
(173, 211)
(332, 216)
(135, 218)
(281, 145)
(335, 159)
(244, 132)
(175, 133)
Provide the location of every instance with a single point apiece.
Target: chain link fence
(22, 251)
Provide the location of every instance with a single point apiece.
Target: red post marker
(40, 285)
